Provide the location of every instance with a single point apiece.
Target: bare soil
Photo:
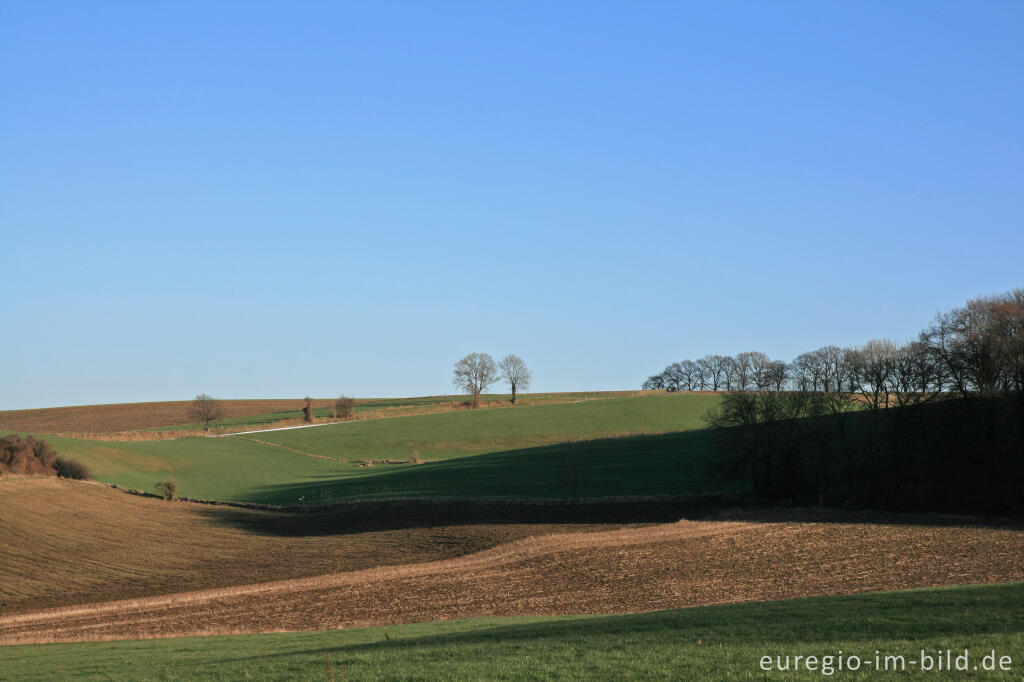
(687, 563)
(132, 416)
(70, 542)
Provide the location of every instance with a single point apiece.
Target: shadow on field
(350, 519)
(355, 518)
(909, 615)
(671, 464)
(547, 484)
(572, 483)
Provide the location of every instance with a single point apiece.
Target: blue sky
(274, 199)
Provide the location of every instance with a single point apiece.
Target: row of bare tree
(747, 371)
(976, 349)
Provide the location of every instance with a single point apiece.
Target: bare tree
(674, 377)
(474, 373)
(655, 382)
(874, 366)
(716, 370)
(515, 372)
(704, 372)
(980, 347)
(205, 409)
(744, 371)
(690, 374)
(729, 370)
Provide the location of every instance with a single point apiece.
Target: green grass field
(594, 448)
(457, 434)
(714, 642)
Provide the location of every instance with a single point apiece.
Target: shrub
(70, 468)
(168, 488)
(344, 407)
(32, 457)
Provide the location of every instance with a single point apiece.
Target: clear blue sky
(274, 199)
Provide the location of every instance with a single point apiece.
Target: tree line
(933, 424)
(974, 350)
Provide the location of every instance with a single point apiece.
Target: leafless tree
(761, 370)
(805, 372)
(743, 372)
(474, 373)
(729, 373)
(515, 372)
(874, 368)
(980, 347)
(690, 374)
(205, 409)
(674, 378)
(715, 371)
(704, 378)
(775, 375)
(753, 371)
(655, 382)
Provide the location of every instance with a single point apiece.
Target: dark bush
(70, 468)
(168, 488)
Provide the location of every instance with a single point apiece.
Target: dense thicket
(934, 424)
(33, 457)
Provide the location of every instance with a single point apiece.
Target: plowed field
(688, 563)
(132, 416)
(65, 542)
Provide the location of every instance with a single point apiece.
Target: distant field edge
(701, 499)
(699, 503)
(706, 642)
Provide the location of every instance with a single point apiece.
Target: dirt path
(689, 563)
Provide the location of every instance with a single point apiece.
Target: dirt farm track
(549, 571)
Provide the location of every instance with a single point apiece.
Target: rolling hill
(642, 446)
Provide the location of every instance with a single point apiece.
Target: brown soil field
(108, 422)
(131, 416)
(682, 564)
(69, 542)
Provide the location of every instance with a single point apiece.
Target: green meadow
(712, 642)
(650, 445)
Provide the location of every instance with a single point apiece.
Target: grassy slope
(703, 643)
(447, 435)
(485, 453)
(205, 468)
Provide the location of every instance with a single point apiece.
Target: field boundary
(699, 504)
(701, 500)
(283, 428)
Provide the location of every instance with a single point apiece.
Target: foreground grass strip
(716, 642)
